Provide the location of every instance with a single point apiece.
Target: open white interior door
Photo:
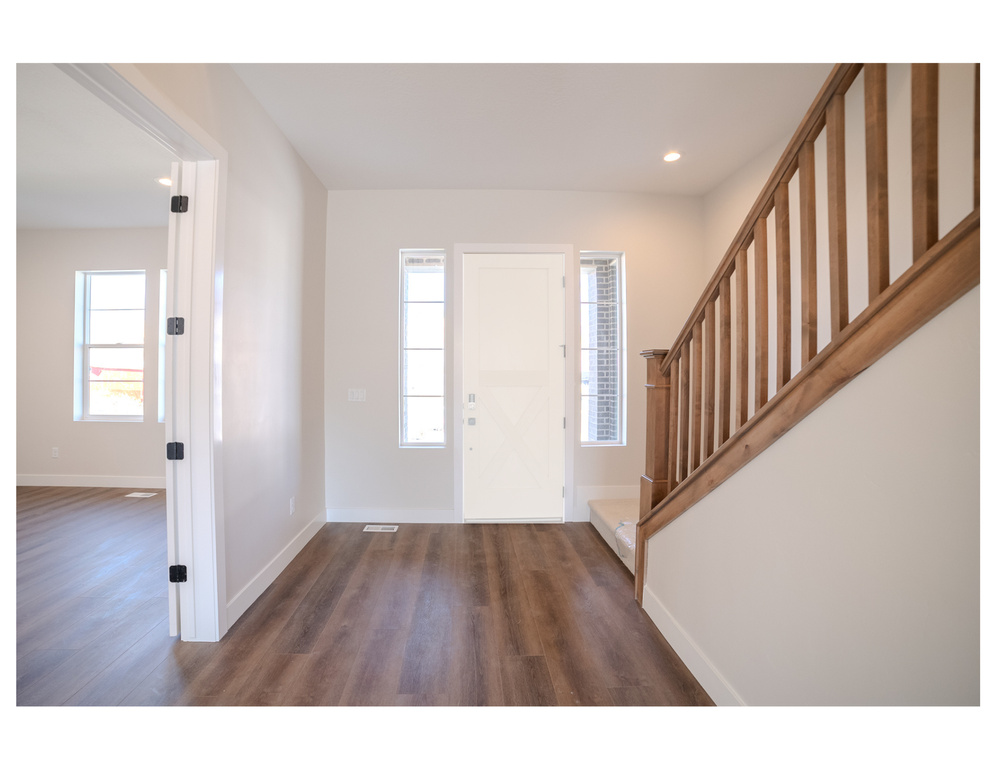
(177, 377)
(513, 385)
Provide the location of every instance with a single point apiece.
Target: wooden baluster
(809, 253)
(671, 474)
(976, 138)
(695, 418)
(725, 359)
(709, 371)
(762, 314)
(655, 482)
(924, 158)
(742, 338)
(877, 205)
(781, 202)
(838, 275)
(684, 411)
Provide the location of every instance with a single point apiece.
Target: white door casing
(193, 361)
(511, 417)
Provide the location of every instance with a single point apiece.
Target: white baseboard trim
(391, 516)
(250, 593)
(700, 666)
(93, 481)
(584, 493)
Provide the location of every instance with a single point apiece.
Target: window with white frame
(422, 347)
(110, 345)
(602, 346)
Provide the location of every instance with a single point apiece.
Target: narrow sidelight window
(110, 345)
(422, 348)
(602, 346)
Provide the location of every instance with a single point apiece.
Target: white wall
(842, 565)
(820, 573)
(273, 325)
(368, 476)
(726, 206)
(91, 453)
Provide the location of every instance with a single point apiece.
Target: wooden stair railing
(700, 428)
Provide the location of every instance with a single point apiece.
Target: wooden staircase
(710, 412)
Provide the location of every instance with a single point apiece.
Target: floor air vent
(140, 495)
(381, 528)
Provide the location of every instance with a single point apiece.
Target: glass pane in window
(424, 285)
(116, 364)
(117, 326)
(117, 291)
(424, 372)
(599, 419)
(424, 325)
(115, 398)
(424, 420)
(588, 324)
(588, 283)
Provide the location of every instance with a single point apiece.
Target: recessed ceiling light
(671, 156)
(165, 181)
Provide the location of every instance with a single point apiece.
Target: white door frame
(458, 395)
(194, 400)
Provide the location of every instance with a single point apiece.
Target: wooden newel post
(655, 481)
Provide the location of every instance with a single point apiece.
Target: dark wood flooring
(430, 615)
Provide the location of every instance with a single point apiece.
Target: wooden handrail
(690, 444)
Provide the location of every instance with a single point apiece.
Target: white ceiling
(589, 127)
(80, 164)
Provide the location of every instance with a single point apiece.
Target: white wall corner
(716, 686)
(241, 602)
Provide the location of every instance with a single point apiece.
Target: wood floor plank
(575, 674)
(526, 682)
(514, 625)
(168, 683)
(431, 615)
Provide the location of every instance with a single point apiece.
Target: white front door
(513, 387)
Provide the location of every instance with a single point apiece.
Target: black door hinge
(174, 326)
(179, 204)
(174, 451)
(177, 574)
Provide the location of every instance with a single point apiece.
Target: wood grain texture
(685, 364)
(976, 136)
(709, 378)
(655, 482)
(433, 615)
(809, 253)
(948, 271)
(762, 314)
(782, 249)
(724, 359)
(924, 157)
(877, 196)
(697, 353)
(741, 338)
(838, 259)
